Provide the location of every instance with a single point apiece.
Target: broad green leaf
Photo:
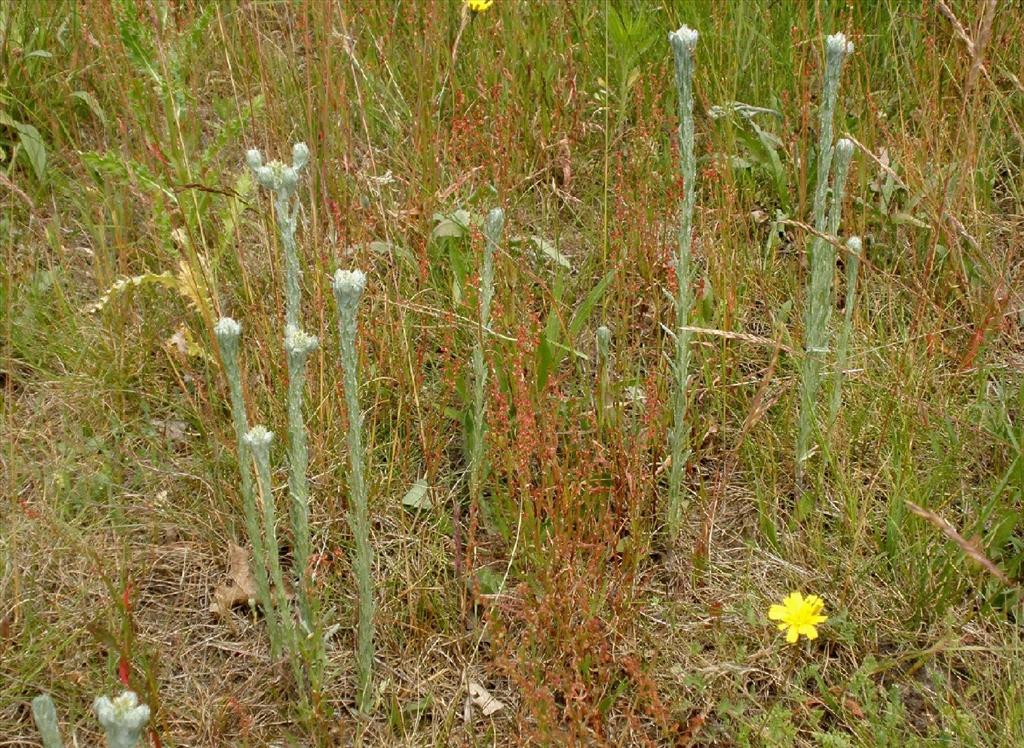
(90, 101)
(417, 498)
(34, 147)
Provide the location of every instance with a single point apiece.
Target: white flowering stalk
(282, 181)
(123, 719)
(492, 236)
(228, 333)
(258, 440)
(853, 250)
(821, 254)
(348, 288)
(45, 715)
(299, 345)
(601, 398)
(684, 42)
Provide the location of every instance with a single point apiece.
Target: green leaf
(417, 498)
(34, 147)
(90, 101)
(549, 250)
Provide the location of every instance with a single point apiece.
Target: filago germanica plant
(684, 43)
(300, 637)
(348, 289)
(822, 256)
(493, 226)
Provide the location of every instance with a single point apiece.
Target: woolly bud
(300, 156)
(270, 175)
(684, 39)
(348, 287)
(122, 718)
(300, 344)
(844, 149)
(289, 179)
(837, 48)
(254, 158)
(604, 341)
(228, 331)
(258, 440)
(853, 244)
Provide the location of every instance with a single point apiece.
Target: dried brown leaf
(240, 587)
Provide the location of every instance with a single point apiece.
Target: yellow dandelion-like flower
(799, 616)
(479, 6)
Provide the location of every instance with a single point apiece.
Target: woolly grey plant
(123, 719)
(853, 250)
(228, 333)
(821, 253)
(299, 345)
(603, 339)
(45, 715)
(283, 180)
(493, 226)
(683, 42)
(258, 440)
(348, 289)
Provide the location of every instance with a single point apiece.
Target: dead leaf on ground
(481, 698)
(240, 588)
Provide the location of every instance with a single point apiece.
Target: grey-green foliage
(492, 237)
(283, 181)
(123, 719)
(348, 289)
(45, 715)
(602, 403)
(299, 346)
(683, 42)
(821, 252)
(853, 250)
(258, 440)
(228, 333)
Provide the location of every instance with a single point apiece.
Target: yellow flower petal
(792, 635)
(809, 631)
(776, 612)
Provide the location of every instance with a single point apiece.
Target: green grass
(119, 478)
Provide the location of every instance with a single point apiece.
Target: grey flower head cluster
(259, 439)
(837, 48)
(299, 343)
(348, 287)
(123, 719)
(684, 39)
(275, 175)
(228, 333)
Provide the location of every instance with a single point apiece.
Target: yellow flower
(479, 6)
(800, 615)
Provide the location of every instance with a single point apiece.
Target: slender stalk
(348, 288)
(821, 256)
(282, 181)
(684, 42)
(228, 333)
(492, 236)
(602, 403)
(853, 250)
(258, 439)
(299, 346)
